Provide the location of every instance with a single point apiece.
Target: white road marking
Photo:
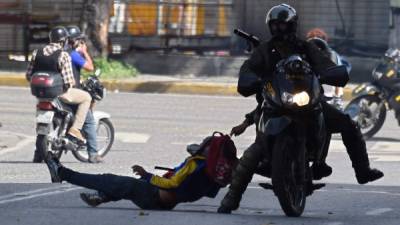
(378, 212)
(19, 194)
(130, 137)
(333, 223)
(345, 190)
(60, 190)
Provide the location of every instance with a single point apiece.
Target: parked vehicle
(373, 100)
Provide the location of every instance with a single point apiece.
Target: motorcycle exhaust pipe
(69, 144)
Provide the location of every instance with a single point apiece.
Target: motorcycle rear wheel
(43, 145)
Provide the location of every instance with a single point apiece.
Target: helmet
(282, 20)
(58, 34)
(74, 32)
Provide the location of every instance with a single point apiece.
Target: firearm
(255, 41)
(163, 168)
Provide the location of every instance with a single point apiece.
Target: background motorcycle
(291, 126)
(54, 118)
(373, 99)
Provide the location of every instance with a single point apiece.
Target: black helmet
(74, 32)
(282, 20)
(58, 34)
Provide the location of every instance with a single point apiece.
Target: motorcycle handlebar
(249, 37)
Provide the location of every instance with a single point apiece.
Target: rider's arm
(88, 64)
(174, 181)
(65, 65)
(255, 63)
(28, 74)
(318, 60)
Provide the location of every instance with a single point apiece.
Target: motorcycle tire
(82, 154)
(43, 146)
(284, 182)
(381, 118)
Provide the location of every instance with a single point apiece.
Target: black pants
(116, 188)
(338, 122)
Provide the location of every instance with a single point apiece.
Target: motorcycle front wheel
(368, 112)
(288, 186)
(105, 139)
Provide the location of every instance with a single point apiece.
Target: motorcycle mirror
(335, 76)
(97, 73)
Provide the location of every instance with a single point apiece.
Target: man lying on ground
(186, 183)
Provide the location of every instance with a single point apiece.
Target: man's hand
(239, 129)
(138, 170)
(82, 48)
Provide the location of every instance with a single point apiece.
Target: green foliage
(112, 69)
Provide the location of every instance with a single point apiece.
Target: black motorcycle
(292, 127)
(373, 99)
(54, 117)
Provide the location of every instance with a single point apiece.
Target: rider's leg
(242, 176)
(338, 122)
(83, 99)
(89, 128)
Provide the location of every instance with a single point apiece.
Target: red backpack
(221, 160)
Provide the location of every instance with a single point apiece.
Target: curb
(175, 87)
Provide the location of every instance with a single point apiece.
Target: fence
(194, 25)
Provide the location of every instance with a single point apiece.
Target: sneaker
(368, 175)
(54, 165)
(93, 199)
(95, 159)
(76, 134)
(321, 170)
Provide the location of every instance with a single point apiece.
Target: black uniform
(262, 63)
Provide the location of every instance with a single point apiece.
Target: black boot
(94, 199)
(241, 177)
(365, 175)
(54, 166)
(321, 170)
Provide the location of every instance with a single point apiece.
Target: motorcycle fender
(365, 89)
(98, 115)
(276, 125)
(43, 129)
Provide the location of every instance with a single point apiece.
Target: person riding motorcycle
(81, 59)
(282, 23)
(53, 58)
(320, 39)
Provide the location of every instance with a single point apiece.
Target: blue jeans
(89, 128)
(116, 188)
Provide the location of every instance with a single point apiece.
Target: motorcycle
(54, 117)
(292, 127)
(372, 100)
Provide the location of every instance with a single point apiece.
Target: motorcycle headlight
(300, 99)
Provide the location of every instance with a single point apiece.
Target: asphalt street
(154, 129)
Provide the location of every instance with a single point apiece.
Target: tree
(95, 22)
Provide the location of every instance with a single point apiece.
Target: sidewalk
(218, 85)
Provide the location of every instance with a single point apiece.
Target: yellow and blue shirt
(189, 180)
